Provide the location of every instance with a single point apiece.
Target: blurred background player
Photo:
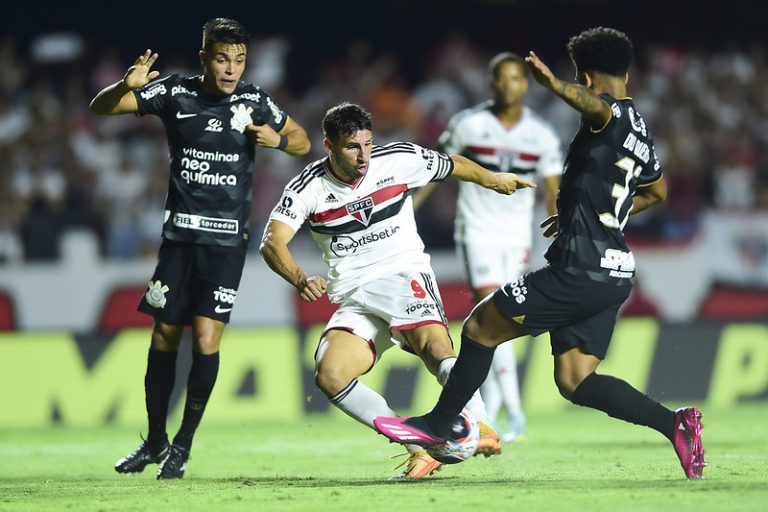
(494, 233)
(611, 170)
(360, 212)
(213, 122)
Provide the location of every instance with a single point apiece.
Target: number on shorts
(418, 291)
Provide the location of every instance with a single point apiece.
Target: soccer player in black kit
(214, 123)
(611, 170)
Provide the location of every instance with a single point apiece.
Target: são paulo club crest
(361, 210)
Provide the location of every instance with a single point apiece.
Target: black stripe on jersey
(394, 145)
(430, 285)
(354, 226)
(300, 182)
(341, 395)
(445, 167)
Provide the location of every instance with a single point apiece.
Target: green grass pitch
(573, 460)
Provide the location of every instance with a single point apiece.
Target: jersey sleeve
(551, 161)
(155, 97)
(270, 113)
(415, 165)
(651, 171)
(292, 208)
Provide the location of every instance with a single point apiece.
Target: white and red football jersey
(366, 229)
(530, 149)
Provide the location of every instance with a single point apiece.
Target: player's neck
(508, 115)
(614, 86)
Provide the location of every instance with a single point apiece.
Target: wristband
(283, 143)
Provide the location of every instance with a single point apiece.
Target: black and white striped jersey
(367, 229)
(603, 168)
(211, 156)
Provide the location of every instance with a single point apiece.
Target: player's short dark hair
(601, 49)
(345, 119)
(501, 58)
(225, 31)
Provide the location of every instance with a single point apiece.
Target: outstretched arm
(274, 250)
(118, 98)
(292, 138)
(580, 97)
(505, 183)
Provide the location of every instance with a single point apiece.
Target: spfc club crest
(361, 210)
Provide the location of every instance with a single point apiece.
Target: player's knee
(330, 379)
(207, 343)
(567, 384)
(165, 340)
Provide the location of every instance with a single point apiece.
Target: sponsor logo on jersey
(214, 125)
(155, 295)
(180, 89)
(385, 182)
(284, 208)
(200, 223)
(361, 210)
(196, 171)
(276, 112)
(636, 120)
(241, 117)
(245, 96)
(181, 115)
(621, 264)
(153, 91)
(343, 245)
(331, 198)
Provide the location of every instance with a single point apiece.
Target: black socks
(202, 377)
(467, 375)
(619, 400)
(158, 385)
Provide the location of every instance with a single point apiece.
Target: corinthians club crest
(361, 210)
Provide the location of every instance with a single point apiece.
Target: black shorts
(575, 310)
(193, 280)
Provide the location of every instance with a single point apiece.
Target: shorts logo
(155, 295)
(518, 290)
(225, 296)
(426, 308)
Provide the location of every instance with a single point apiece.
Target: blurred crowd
(63, 168)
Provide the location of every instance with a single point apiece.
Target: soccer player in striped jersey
(359, 207)
(611, 170)
(493, 233)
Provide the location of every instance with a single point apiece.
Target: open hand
(550, 226)
(540, 71)
(139, 74)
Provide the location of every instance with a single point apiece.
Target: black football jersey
(603, 168)
(209, 194)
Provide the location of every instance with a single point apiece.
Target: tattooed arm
(580, 97)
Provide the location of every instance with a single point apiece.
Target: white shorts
(489, 266)
(379, 310)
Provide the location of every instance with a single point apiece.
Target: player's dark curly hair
(601, 49)
(345, 119)
(502, 58)
(225, 31)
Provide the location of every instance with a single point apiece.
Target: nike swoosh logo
(179, 115)
(220, 309)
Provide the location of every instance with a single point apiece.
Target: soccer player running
(358, 203)
(611, 170)
(213, 122)
(493, 232)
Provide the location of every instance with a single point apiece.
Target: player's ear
(328, 146)
(626, 78)
(587, 79)
(201, 57)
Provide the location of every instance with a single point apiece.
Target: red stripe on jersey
(378, 197)
(483, 150)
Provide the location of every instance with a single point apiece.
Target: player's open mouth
(362, 168)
